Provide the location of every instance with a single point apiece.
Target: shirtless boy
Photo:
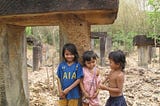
(115, 79)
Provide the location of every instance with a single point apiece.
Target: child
(90, 82)
(69, 74)
(115, 79)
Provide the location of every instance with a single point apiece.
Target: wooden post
(13, 73)
(143, 56)
(150, 54)
(159, 57)
(36, 57)
(3, 66)
(145, 49)
(92, 44)
(102, 50)
(108, 44)
(102, 37)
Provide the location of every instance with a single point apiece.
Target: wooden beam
(15, 7)
(46, 19)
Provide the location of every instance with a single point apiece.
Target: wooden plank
(98, 34)
(92, 17)
(143, 40)
(12, 7)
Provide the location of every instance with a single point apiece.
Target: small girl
(69, 74)
(115, 79)
(90, 82)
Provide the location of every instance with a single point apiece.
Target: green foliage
(123, 40)
(155, 4)
(28, 31)
(154, 23)
(48, 38)
(46, 34)
(29, 47)
(154, 19)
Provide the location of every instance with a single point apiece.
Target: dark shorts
(116, 101)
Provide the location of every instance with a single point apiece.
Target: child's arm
(71, 86)
(83, 90)
(61, 94)
(96, 93)
(81, 85)
(98, 84)
(118, 89)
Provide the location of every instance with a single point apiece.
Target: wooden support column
(150, 54)
(102, 50)
(143, 56)
(108, 45)
(36, 57)
(3, 66)
(13, 73)
(74, 30)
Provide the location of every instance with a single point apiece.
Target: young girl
(69, 74)
(90, 82)
(115, 79)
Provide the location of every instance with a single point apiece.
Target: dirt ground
(141, 88)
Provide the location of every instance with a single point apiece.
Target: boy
(115, 79)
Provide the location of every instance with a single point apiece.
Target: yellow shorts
(65, 102)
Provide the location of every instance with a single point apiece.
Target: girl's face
(113, 65)
(90, 64)
(69, 57)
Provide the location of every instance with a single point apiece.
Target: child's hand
(103, 87)
(62, 95)
(66, 91)
(95, 94)
(106, 77)
(86, 95)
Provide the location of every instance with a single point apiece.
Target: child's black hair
(118, 57)
(71, 48)
(88, 55)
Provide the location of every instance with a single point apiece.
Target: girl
(115, 79)
(69, 74)
(90, 82)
